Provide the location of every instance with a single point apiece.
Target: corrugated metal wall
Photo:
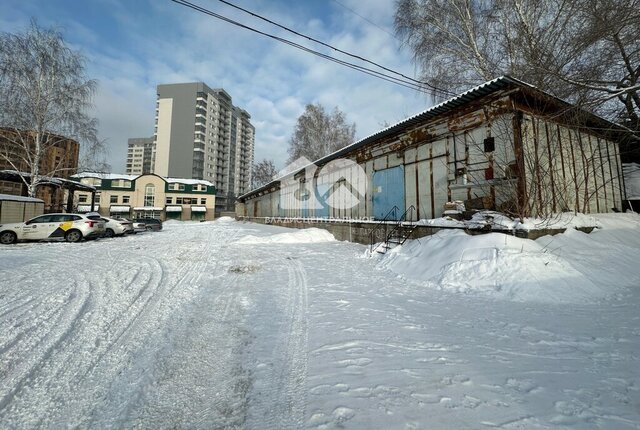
(473, 158)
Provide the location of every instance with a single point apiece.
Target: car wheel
(73, 236)
(109, 233)
(8, 237)
(148, 228)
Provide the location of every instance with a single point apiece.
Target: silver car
(71, 227)
(113, 226)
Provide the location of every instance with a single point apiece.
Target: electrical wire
(365, 19)
(404, 81)
(358, 57)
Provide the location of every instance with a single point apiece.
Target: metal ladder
(398, 235)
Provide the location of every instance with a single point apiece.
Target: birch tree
(585, 51)
(262, 173)
(44, 98)
(318, 133)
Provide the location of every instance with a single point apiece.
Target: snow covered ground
(237, 325)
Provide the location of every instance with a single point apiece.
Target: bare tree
(44, 96)
(586, 51)
(262, 173)
(318, 133)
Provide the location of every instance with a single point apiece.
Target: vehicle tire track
(287, 406)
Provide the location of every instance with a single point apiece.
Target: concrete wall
(361, 232)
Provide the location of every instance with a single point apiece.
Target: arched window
(149, 195)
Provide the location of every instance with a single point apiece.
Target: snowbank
(301, 236)
(550, 269)
(500, 221)
(225, 219)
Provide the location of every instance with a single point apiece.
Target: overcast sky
(133, 45)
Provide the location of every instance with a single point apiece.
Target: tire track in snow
(285, 406)
(196, 379)
(68, 322)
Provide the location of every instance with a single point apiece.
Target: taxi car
(71, 227)
(113, 226)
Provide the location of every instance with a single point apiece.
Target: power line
(363, 69)
(404, 81)
(369, 21)
(358, 57)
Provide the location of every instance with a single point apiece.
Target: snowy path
(189, 328)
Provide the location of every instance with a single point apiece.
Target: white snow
(105, 175)
(500, 221)
(133, 177)
(20, 198)
(310, 235)
(196, 327)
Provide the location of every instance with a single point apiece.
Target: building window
(91, 181)
(82, 198)
(113, 199)
(125, 199)
(97, 199)
(203, 201)
(178, 200)
(149, 195)
(489, 144)
(176, 187)
(120, 183)
(169, 201)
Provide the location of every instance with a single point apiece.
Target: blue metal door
(388, 191)
(322, 195)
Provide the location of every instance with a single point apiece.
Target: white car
(71, 227)
(113, 226)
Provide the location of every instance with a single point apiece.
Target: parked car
(113, 226)
(150, 223)
(71, 227)
(138, 226)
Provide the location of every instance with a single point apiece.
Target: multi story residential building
(199, 134)
(141, 155)
(146, 196)
(60, 160)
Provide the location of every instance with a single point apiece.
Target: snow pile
(551, 269)
(562, 220)
(224, 219)
(499, 221)
(309, 235)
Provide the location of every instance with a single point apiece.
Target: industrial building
(503, 145)
(200, 134)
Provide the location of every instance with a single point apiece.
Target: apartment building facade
(141, 155)
(59, 160)
(200, 134)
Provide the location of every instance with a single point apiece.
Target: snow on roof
(133, 177)
(19, 198)
(189, 181)
(632, 180)
(105, 176)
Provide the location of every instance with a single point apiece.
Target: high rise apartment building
(141, 156)
(199, 134)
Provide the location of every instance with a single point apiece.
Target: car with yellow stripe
(70, 227)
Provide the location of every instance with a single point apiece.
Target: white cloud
(157, 42)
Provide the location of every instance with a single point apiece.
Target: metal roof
(475, 93)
